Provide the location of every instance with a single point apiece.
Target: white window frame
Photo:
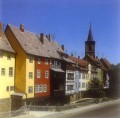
(38, 73)
(40, 88)
(46, 61)
(44, 88)
(36, 88)
(83, 85)
(46, 74)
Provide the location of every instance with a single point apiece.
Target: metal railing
(60, 108)
(22, 111)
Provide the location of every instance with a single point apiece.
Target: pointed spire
(90, 37)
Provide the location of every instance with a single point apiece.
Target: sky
(68, 22)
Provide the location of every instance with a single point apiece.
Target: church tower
(90, 44)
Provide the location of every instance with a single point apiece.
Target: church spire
(90, 37)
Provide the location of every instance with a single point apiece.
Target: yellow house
(7, 71)
(27, 47)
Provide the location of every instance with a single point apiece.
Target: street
(110, 111)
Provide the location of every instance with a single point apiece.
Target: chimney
(48, 37)
(22, 27)
(78, 57)
(1, 31)
(42, 38)
(96, 57)
(62, 46)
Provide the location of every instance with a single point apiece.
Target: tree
(95, 88)
(114, 89)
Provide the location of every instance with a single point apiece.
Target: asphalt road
(110, 111)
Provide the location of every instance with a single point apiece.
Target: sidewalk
(53, 114)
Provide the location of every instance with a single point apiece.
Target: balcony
(55, 66)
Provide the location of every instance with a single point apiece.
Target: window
(46, 74)
(36, 88)
(83, 76)
(2, 71)
(1, 54)
(31, 59)
(69, 87)
(10, 71)
(70, 76)
(79, 85)
(38, 73)
(30, 75)
(40, 88)
(11, 88)
(7, 88)
(44, 88)
(8, 57)
(79, 75)
(46, 61)
(39, 61)
(30, 89)
(83, 85)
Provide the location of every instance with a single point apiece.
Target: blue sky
(69, 21)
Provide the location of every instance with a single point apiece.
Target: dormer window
(8, 57)
(31, 59)
(39, 61)
(46, 61)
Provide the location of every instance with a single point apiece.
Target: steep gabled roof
(106, 63)
(50, 49)
(29, 42)
(5, 45)
(79, 61)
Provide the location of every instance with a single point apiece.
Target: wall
(20, 70)
(30, 67)
(42, 80)
(6, 80)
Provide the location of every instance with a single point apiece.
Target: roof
(57, 46)
(18, 94)
(5, 45)
(90, 37)
(29, 42)
(79, 61)
(50, 48)
(106, 63)
(57, 70)
(68, 60)
(94, 60)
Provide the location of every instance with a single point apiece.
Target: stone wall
(5, 105)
